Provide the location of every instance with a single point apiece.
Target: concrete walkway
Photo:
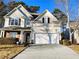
(48, 52)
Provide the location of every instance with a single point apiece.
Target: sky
(51, 5)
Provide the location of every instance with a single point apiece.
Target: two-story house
(37, 28)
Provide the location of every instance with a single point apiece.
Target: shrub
(66, 42)
(7, 41)
(61, 41)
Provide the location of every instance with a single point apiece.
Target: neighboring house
(74, 25)
(31, 27)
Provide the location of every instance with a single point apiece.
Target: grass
(8, 51)
(75, 48)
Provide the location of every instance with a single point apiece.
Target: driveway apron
(48, 52)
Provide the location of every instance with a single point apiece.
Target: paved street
(48, 52)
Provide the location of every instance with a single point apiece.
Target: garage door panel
(55, 39)
(47, 38)
(41, 39)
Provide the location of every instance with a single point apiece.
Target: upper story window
(48, 20)
(16, 22)
(13, 22)
(28, 23)
(43, 19)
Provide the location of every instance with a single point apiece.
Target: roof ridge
(42, 14)
(15, 9)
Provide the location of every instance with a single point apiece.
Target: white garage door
(47, 38)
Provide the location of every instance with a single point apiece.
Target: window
(13, 34)
(9, 20)
(28, 22)
(43, 20)
(48, 20)
(13, 22)
(16, 22)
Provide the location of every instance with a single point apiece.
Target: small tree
(66, 4)
(61, 16)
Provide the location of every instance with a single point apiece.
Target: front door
(27, 38)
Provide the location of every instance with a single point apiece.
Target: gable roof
(18, 8)
(43, 14)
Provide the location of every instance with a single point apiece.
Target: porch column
(21, 39)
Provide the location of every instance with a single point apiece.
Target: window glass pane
(13, 34)
(12, 22)
(9, 21)
(16, 22)
(28, 22)
(43, 20)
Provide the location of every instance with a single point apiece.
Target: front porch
(20, 35)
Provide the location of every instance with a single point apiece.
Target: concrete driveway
(48, 52)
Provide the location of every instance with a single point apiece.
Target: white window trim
(14, 22)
